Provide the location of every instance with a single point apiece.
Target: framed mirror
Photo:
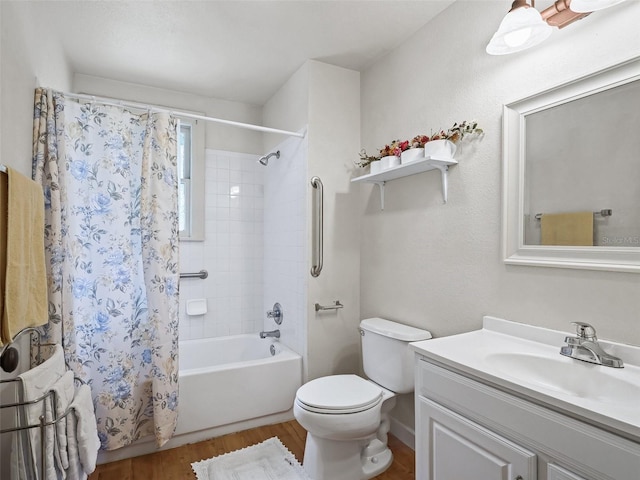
(571, 174)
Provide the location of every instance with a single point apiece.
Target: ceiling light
(522, 28)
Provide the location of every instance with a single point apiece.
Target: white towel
(36, 382)
(84, 437)
(21, 467)
(64, 390)
(74, 471)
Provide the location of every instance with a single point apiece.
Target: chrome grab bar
(201, 274)
(336, 305)
(316, 268)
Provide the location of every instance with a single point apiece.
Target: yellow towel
(25, 282)
(569, 229)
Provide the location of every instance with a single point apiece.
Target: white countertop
(525, 360)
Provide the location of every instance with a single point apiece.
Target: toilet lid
(339, 394)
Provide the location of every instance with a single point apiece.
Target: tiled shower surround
(255, 246)
(232, 251)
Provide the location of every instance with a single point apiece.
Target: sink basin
(525, 360)
(565, 375)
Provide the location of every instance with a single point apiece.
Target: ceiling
(234, 49)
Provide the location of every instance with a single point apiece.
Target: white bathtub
(227, 384)
(234, 379)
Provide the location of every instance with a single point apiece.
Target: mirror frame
(515, 252)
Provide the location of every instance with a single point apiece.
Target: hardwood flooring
(176, 463)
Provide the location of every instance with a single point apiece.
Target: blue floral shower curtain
(111, 239)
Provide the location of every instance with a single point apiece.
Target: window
(184, 174)
(191, 179)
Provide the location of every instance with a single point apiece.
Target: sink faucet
(585, 347)
(272, 333)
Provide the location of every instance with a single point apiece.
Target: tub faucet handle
(276, 313)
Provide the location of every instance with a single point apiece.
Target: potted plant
(387, 157)
(441, 145)
(415, 150)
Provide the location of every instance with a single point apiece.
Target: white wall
(439, 266)
(26, 60)
(334, 138)
(327, 100)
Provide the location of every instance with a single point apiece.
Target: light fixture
(583, 6)
(522, 28)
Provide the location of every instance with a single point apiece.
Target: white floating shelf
(407, 169)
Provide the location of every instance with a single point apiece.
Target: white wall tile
(232, 250)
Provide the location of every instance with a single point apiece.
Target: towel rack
(3, 168)
(201, 274)
(10, 349)
(605, 212)
(22, 404)
(51, 397)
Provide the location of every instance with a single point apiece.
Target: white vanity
(502, 403)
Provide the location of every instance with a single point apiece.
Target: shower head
(264, 160)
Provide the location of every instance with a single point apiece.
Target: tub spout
(272, 333)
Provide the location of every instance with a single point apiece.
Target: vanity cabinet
(459, 448)
(466, 428)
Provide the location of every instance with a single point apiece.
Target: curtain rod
(124, 103)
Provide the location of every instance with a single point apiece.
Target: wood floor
(176, 463)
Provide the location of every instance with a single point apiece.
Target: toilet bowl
(347, 416)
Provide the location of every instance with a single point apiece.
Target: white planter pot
(440, 149)
(389, 162)
(375, 167)
(412, 155)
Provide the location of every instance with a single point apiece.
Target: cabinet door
(554, 472)
(451, 447)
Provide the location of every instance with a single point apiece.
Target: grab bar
(336, 305)
(316, 268)
(201, 274)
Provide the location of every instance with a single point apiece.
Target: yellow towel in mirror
(25, 279)
(567, 229)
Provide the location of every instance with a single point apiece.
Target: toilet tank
(386, 356)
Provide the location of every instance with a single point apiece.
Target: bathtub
(227, 384)
(234, 379)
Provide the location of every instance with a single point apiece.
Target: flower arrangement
(454, 134)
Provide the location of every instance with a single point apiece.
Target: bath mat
(269, 460)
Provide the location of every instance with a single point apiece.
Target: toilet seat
(338, 394)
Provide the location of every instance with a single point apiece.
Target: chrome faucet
(276, 313)
(585, 347)
(272, 333)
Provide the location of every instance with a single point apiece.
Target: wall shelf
(412, 168)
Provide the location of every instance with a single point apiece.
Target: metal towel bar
(605, 212)
(316, 267)
(201, 274)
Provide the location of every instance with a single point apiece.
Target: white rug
(269, 460)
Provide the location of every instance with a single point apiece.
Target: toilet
(347, 417)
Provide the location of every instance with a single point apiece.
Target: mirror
(571, 174)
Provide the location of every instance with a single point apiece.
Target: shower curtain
(111, 240)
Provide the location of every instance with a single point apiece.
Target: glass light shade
(520, 29)
(584, 6)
